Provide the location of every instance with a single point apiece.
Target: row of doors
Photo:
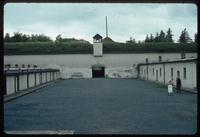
(178, 74)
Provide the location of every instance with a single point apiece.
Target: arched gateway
(98, 71)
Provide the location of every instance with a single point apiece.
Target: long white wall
(116, 65)
(10, 84)
(22, 81)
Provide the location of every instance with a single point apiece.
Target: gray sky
(83, 21)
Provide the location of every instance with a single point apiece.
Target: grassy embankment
(24, 48)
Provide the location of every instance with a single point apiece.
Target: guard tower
(97, 46)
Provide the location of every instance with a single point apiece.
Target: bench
(77, 75)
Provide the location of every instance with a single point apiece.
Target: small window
(184, 73)
(182, 55)
(147, 60)
(160, 72)
(178, 73)
(159, 58)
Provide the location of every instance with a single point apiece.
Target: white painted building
(164, 71)
(98, 64)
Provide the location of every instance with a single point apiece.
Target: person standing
(178, 85)
(170, 87)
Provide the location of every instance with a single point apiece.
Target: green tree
(58, 38)
(7, 37)
(162, 36)
(43, 38)
(17, 37)
(33, 37)
(151, 38)
(132, 40)
(40, 38)
(25, 38)
(184, 37)
(169, 36)
(147, 39)
(157, 39)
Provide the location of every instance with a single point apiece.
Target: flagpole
(106, 28)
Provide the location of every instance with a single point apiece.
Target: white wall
(31, 80)
(10, 84)
(56, 75)
(37, 79)
(87, 60)
(51, 78)
(22, 82)
(43, 77)
(121, 72)
(48, 76)
(75, 63)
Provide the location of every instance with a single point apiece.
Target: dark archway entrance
(98, 71)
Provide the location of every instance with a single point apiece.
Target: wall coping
(172, 61)
(27, 71)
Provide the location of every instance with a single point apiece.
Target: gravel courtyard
(104, 106)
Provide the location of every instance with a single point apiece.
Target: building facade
(163, 71)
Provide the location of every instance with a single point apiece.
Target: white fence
(16, 80)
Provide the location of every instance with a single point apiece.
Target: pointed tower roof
(97, 37)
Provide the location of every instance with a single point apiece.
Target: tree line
(159, 37)
(168, 37)
(20, 37)
(59, 39)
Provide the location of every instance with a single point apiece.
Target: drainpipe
(138, 71)
(147, 72)
(53, 75)
(27, 80)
